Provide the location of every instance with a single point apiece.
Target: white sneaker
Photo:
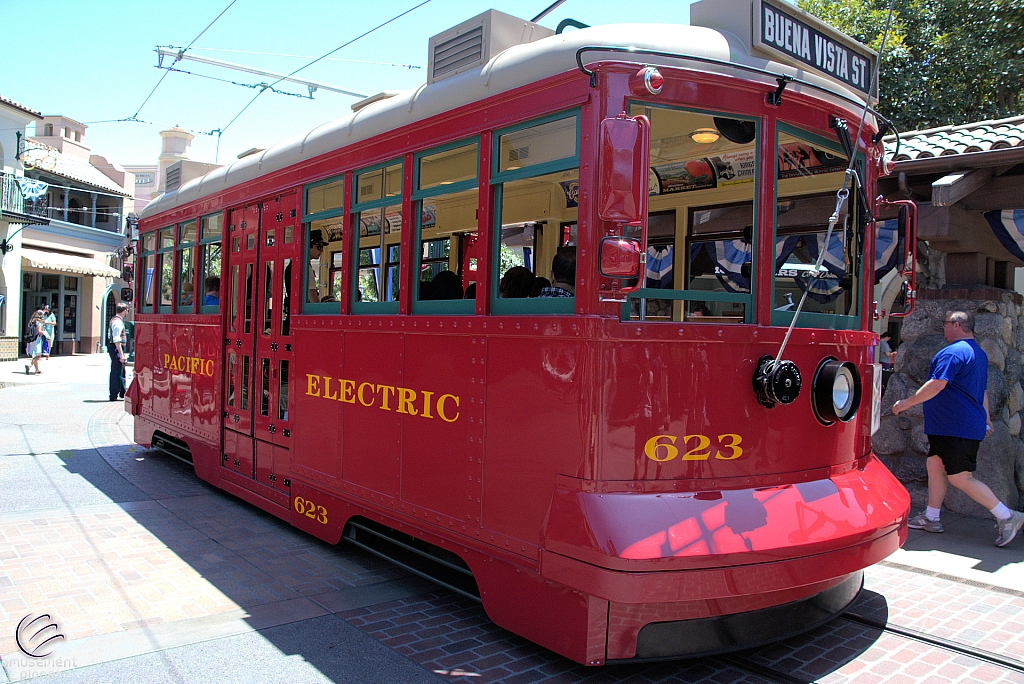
(1008, 528)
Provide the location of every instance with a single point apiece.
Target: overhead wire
(263, 86)
(322, 57)
(136, 114)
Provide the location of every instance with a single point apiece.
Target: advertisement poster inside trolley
(580, 329)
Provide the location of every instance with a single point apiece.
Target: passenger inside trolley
(211, 289)
(563, 273)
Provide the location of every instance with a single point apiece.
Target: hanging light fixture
(704, 136)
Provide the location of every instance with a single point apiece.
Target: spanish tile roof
(12, 103)
(947, 140)
(75, 169)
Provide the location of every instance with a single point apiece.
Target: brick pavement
(446, 633)
(991, 619)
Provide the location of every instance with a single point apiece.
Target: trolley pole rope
(844, 192)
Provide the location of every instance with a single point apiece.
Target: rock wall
(900, 441)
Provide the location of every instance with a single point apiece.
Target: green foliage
(946, 62)
(510, 258)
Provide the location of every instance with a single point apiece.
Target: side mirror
(620, 257)
(624, 160)
(623, 163)
(127, 295)
(901, 240)
(906, 264)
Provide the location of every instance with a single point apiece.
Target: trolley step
(172, 447)
(415, 555)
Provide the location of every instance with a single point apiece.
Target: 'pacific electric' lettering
(189, 364)
(384, 397)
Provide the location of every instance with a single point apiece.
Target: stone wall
(901, 442)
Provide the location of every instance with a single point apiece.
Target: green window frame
(553, 305)
(810, 319)
(147, 257)
(315, 210)
(185, 257)
(165, 268)
(451, 306)
(685, 295)
(358, 306)
(212, 240)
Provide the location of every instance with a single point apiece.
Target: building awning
(51, 261)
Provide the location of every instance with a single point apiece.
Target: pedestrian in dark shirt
(956, 420)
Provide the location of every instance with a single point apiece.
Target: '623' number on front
(663, 448)
(310, 510)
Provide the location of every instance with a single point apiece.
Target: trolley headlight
(835, 394)
(776, 383)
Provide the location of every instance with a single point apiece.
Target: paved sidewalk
(77, 369)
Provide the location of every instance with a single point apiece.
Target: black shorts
(958, 454)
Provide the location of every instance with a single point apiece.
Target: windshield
(810, 171)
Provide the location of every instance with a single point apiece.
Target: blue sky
(93, 60)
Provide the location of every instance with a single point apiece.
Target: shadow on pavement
(345, 614)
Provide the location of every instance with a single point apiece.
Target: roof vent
(173, 181)
(475, 42)
(183, 171)
(249, 152)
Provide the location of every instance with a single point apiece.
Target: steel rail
(962, 649)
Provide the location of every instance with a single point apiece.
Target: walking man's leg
(937, 482)
(937, 486)
(1007, 522)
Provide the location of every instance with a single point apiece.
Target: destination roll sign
(787, 30)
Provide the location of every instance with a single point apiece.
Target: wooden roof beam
(952, 188)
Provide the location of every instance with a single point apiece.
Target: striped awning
(1008, 225)
(51, 261)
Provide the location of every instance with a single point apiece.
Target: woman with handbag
(36, 335)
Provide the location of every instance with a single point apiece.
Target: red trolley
(350, 330)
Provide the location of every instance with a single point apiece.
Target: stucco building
(65, 212)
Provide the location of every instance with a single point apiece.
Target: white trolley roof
(517, 66)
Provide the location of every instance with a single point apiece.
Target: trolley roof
(512, 68)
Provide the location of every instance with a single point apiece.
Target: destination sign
(799, 36)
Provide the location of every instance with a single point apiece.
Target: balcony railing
(15, 207)
(11, 198)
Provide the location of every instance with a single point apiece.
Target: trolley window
(210, 236)
(536, 181)
(186, 254)
(701, 237)
(810, 170)
(165, 261)
(147, 261)
(446, 229)
(377, 214)
(324, 215)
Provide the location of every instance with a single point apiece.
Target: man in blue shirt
(956, 420)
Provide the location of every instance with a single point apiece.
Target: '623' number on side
(663, 448)
(310, 510)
